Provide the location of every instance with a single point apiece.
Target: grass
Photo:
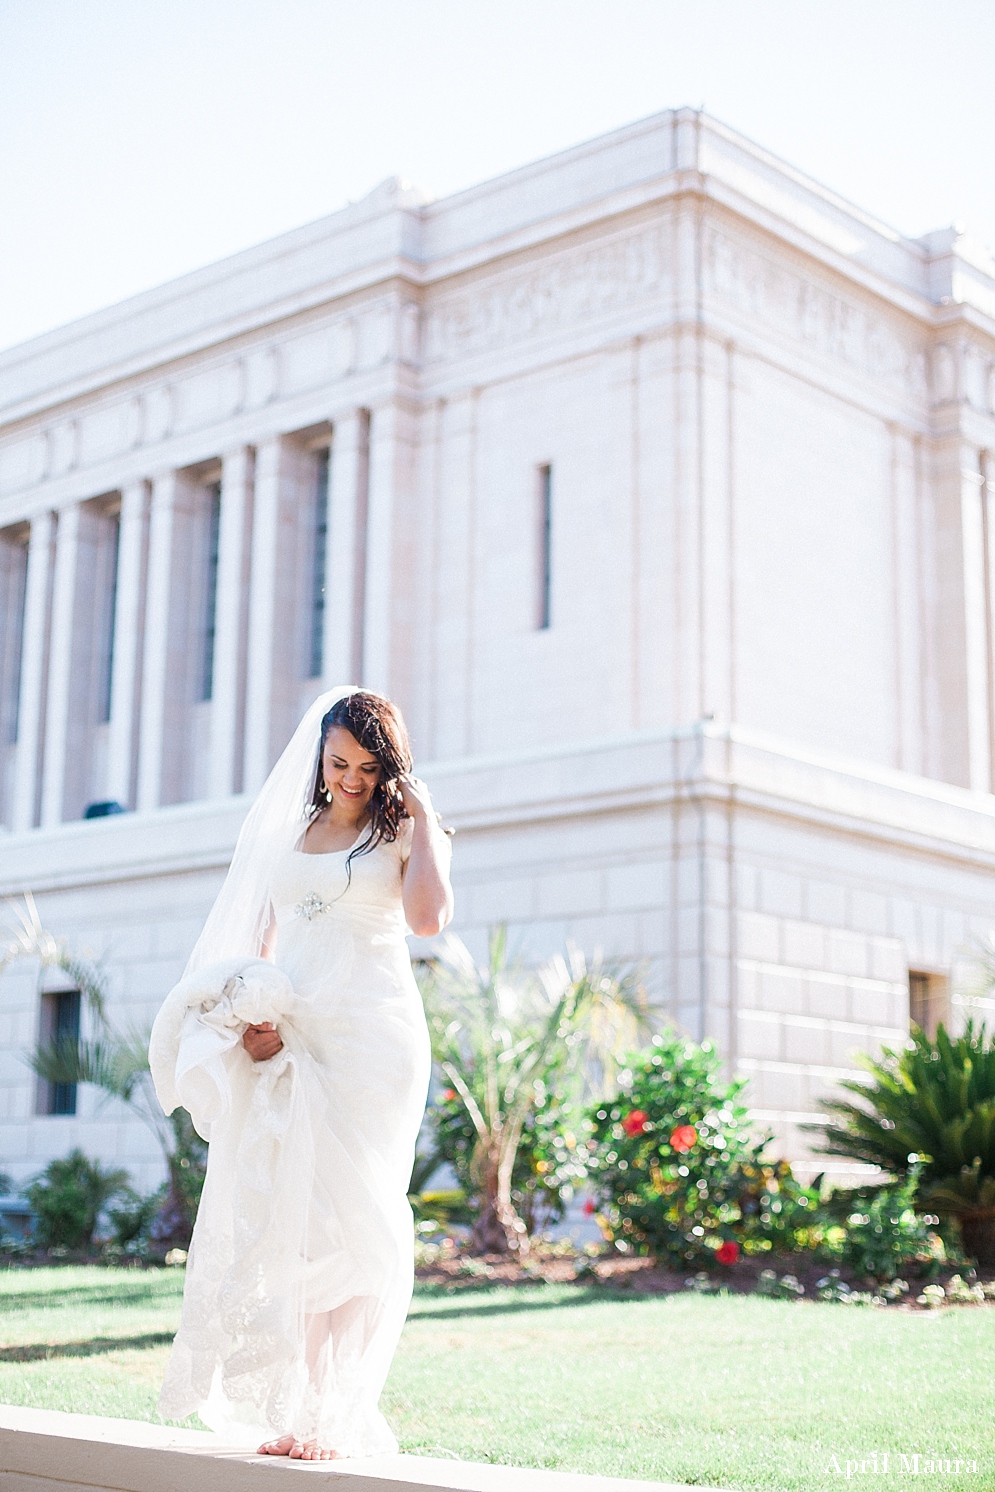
(736, 1392)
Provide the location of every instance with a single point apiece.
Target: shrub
(887, 1234)
(667, 1156)
(505, 1038)
(133, 1217)
(68, 1197)
(778, 1212)
(550, 1162)
(932, 1106)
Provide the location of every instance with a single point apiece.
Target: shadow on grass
(42, 1351)
(119, 1293)
(529, 1302)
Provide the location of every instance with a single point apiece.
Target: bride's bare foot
(297, 1450)
(281, 1447)
(312, 1451)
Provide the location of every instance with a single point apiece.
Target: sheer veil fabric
(300, 1269)
(237, 922)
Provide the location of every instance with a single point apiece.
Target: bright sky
(142, 138)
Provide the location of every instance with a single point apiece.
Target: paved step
(42, 1450)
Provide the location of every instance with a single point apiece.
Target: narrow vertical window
(108, 611)
(59, 1028)
(211, 588)
(545, 566)
(318, 577)
(13, 587)
(929, 1001)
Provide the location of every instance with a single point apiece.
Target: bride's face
(351, 773)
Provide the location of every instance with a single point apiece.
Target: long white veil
(236, 924)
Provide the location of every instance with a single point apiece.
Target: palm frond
(932, 1104)
(25, 937)
(115, 1067)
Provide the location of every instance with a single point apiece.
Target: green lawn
(738, 1392)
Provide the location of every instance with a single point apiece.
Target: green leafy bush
(888, 1234)
(68, 1197)
(550, 1161)
(931, 1106)
(132, 1219)
(507, 1039)
(667, 1156)
(778, 1212)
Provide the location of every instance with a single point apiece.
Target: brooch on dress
(311, 906)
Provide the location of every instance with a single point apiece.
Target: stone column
(345, 558)
(34, 648)
(977, 636)
(391, 467)
(156, 642)
(228, 698)
(262, 615)
(60, 666)
(126, 671)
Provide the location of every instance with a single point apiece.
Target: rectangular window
(59, 1026)
(545, 548)
(318, 577)
(929, 1005)
(108, 610)
(211, 589)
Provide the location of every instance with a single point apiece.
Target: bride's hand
(262, 1041)
(417, 799)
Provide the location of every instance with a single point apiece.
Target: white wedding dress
(300, 1269)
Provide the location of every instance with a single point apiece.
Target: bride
(297, 1040)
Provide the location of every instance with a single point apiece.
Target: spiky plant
(932, 1104)
(25, 937)
(114, 1062)
(503, 1035)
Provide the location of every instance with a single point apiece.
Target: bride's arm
(427, 894)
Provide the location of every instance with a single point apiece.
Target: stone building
(652, 479)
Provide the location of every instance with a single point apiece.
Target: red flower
(684, 1138)
(448, 1094)
(728, 1252)
(588, 1207)
(634, 1123)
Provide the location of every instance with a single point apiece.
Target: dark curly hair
(379, 728)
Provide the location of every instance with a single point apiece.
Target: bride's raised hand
(416, 796)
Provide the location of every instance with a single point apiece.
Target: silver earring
(328, 795)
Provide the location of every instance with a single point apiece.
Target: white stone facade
(653, 480)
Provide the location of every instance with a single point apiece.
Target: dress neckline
(324, 854)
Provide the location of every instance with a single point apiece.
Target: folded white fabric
(201, 1023)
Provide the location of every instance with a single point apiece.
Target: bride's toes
(314, 1452)
(281, 1447)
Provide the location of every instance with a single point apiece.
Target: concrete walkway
(44, 1451)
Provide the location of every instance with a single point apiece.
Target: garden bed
(452, 1266)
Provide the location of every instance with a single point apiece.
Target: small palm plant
(116, 1063)
(931, 1105)
(26, 938)
(503, 1036)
